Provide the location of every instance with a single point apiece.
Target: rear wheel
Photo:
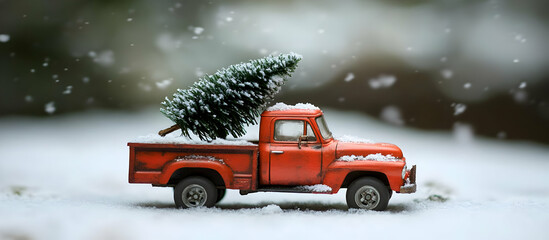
(368, 193)
(195, 192)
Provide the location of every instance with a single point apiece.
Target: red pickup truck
(295, 153)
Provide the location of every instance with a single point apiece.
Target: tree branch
(168, 130)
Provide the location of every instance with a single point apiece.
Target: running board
(294, 189)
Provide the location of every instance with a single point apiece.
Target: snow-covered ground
(65, 177)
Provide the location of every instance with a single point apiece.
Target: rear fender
(225, 171)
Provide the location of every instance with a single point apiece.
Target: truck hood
(365, 149)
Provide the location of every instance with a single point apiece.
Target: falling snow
(104, 58)
(520, 96)
(198, 72)
(459, 108)
(447, 73)
(349, 77)
(383, 81)
(391, 114)
(68, 90)
(50, 107)
(4, 38)
(501, 135)
(198, 30)
(520, 38)
(164, 83)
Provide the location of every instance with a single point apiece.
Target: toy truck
(295, 153)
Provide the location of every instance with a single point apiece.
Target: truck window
(288, 130)
(310, 133)
(324, 131)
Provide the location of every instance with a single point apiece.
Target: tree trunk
(168, 130)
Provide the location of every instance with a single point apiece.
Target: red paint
(272, 162)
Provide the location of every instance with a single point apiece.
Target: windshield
(326, 134)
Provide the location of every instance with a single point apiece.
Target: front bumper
(410, 184)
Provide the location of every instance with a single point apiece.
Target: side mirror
(301, 138)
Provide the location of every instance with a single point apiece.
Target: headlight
(404, 171)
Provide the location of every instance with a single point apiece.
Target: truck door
(292, 163)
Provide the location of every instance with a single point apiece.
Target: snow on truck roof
(299, 109)
(283, 107)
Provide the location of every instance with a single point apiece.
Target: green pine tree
(225, 102)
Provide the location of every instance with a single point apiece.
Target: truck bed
(156, 163)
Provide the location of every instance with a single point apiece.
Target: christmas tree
(225, 102)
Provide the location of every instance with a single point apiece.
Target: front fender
(169, 168)
(339, 170)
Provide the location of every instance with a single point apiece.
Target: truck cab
(292, 147)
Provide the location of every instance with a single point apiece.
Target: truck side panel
(155, 163)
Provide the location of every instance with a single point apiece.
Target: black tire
(390, 192)
(195, 192)
(220, 194)
(368, 193)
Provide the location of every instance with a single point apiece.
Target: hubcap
(194, 195)
(367, 197)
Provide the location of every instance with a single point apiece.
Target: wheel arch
(352, 176)
(207, 173)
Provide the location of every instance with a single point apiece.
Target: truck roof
(292, 112)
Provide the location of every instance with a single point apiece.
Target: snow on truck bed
(174, 139)
(65, 177)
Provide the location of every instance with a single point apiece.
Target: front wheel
(367, 193)
(195, 192)
(220, 194)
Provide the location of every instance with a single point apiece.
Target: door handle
(277, 152)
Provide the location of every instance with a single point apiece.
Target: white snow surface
(173, 138)
(65, 177)
(320, 188)
(371, 157)
(282, 107)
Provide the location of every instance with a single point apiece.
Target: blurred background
(478, 68)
